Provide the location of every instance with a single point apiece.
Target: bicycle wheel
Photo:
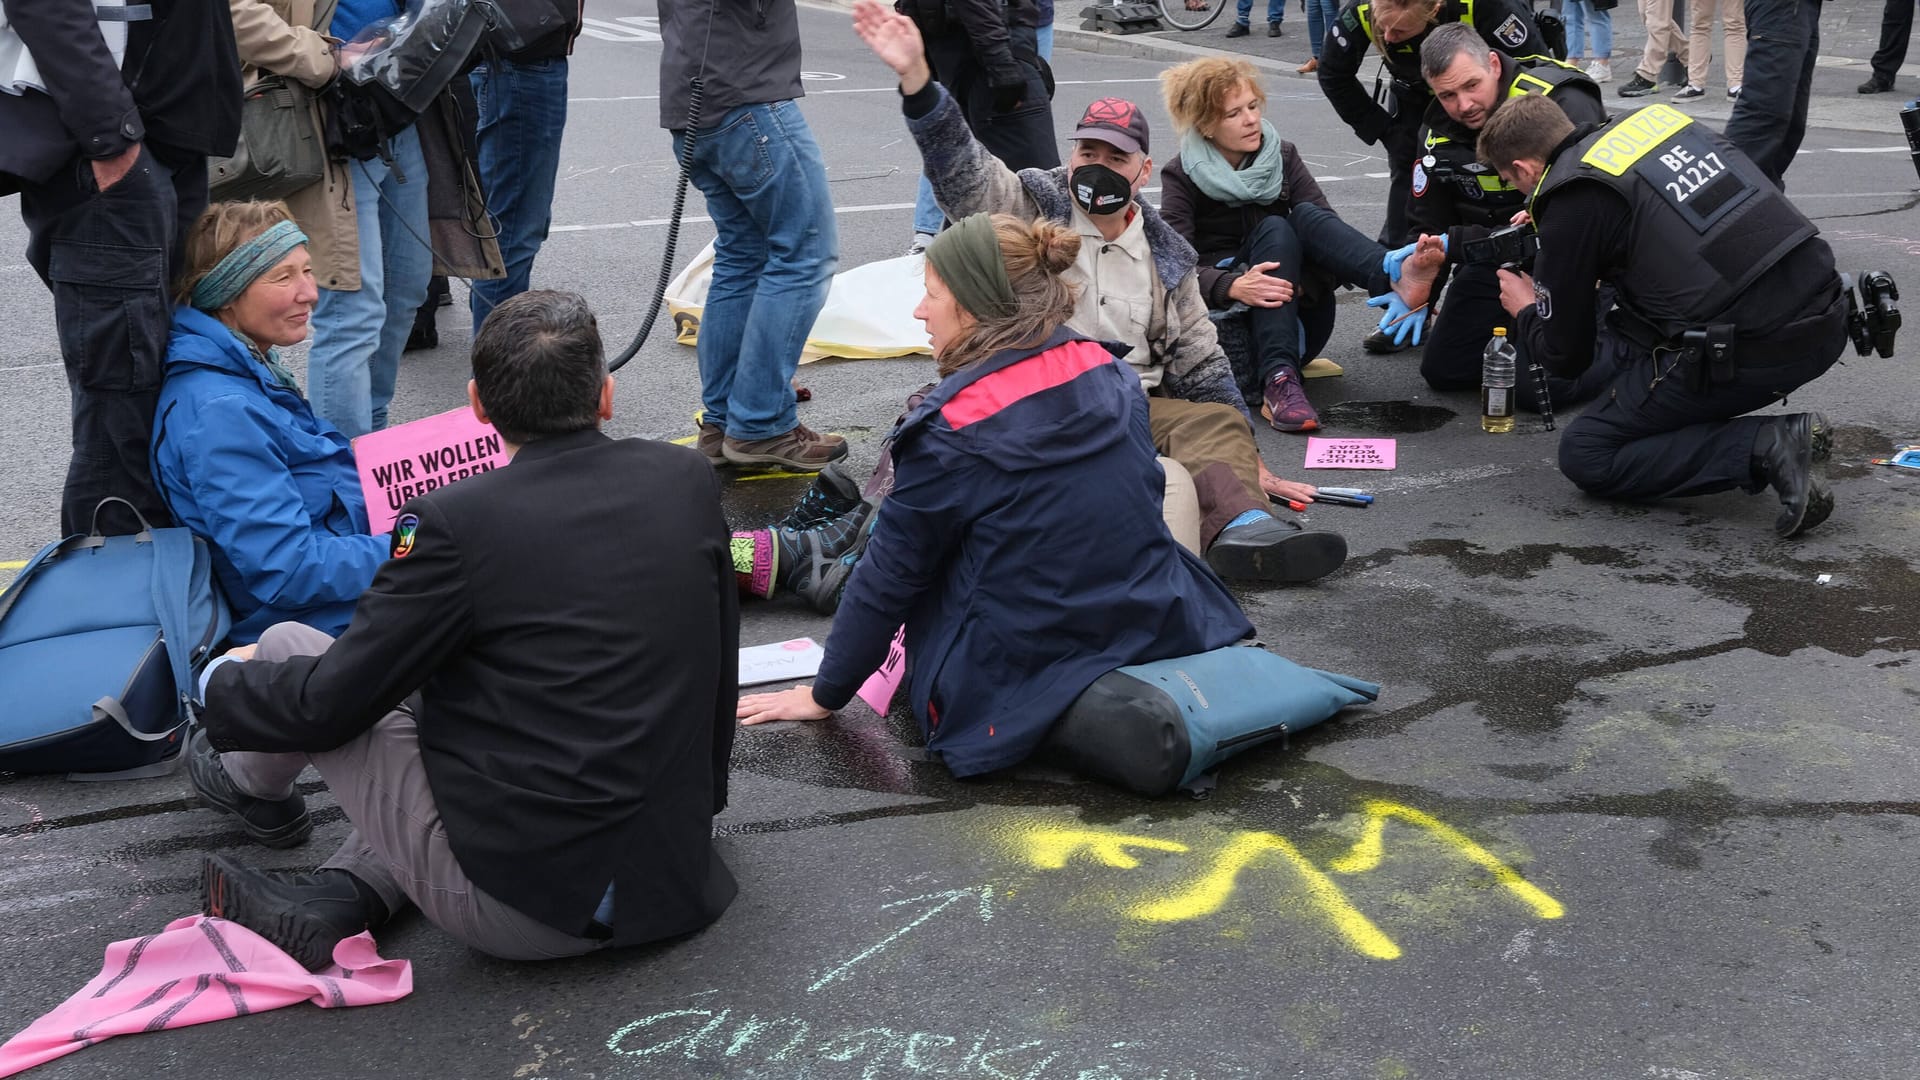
(1177, 14)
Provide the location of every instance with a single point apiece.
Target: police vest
(1480, 197)
(1704, 222)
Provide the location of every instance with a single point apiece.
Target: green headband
(244, 265)
(967, 257)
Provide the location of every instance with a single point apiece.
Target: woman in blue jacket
(240, 456)
(1022, 545)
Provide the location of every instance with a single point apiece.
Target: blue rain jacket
(271, 487)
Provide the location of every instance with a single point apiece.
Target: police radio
(1511, 248)
(1872, 317)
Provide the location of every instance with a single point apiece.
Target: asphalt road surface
(1641, 798)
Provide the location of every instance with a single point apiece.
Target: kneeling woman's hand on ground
(794, 704)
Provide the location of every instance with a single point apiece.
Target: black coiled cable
(673, 228)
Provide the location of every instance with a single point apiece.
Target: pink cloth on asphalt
(196, 971)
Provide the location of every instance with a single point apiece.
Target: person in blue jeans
(522, 108)
(1276, 11)
(775, 245)
(1596, 24)
(1321, 15)
(358, 333)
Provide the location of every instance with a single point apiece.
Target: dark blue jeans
(1282, 336)
(1770, 117)
(774, 254)
(523, 107)
(1321, 15)
(109, 258)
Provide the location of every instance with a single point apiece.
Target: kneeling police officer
(1729, 299)
(1455, 196)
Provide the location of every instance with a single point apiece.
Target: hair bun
(1057, 246)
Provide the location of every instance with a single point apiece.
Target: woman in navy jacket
(1022, 545)
(238, 453)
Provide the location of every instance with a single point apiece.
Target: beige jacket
(289, 38)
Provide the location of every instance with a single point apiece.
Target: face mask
(1099, 190)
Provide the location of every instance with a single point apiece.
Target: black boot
(1784, 457)
(277, 823)
(833, 493)
(816, 563)
(1275, 551)
(305, 915)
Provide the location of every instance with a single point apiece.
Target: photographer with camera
(1728, 301)
(1455, 196)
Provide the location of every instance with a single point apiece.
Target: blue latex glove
(1390, 265)
(1399, 320)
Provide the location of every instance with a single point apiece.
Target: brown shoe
(1309, 67)
(711, 438)
(799, 450)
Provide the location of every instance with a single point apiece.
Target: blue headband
(244, 265)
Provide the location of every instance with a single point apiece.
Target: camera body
(1511, 248)
(1873, 319)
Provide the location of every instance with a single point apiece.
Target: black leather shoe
(1382, 343)
(1277, 552)
(305, 915)
(1273, 29)
(1785, 455)
(1238, 30)
(277, 823)
(1875, 85)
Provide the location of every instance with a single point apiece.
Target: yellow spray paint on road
(1208, 894)
(1366, 854)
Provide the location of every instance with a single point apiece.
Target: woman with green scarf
(1267, 238)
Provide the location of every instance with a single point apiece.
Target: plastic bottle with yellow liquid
(1498, 371)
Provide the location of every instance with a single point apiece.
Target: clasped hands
(1412, 270)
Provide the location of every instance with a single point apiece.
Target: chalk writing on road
(1049, 847)
(785, 1046)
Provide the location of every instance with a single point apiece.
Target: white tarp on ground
(868, 314)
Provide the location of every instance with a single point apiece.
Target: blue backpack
(1153, 728)
(100, 641)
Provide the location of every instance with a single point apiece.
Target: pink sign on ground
(1351, 453)
(880, 686)
(413, 459)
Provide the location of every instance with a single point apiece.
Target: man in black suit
(528, 720)
(108, 149)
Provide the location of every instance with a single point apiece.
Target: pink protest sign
(1351, 453)
(880, 686)
(413, 459)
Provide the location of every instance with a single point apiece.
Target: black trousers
(1298, 329)
(1401, 146)
(1021, 138)
(1452, 356)
(1770, 117)
(1655, 434)
(1896, 26)
(110, 257)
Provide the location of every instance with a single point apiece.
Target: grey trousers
(398, 845)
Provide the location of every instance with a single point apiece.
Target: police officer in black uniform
(1394, 29)
(1726, 292)
(1455, 196)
